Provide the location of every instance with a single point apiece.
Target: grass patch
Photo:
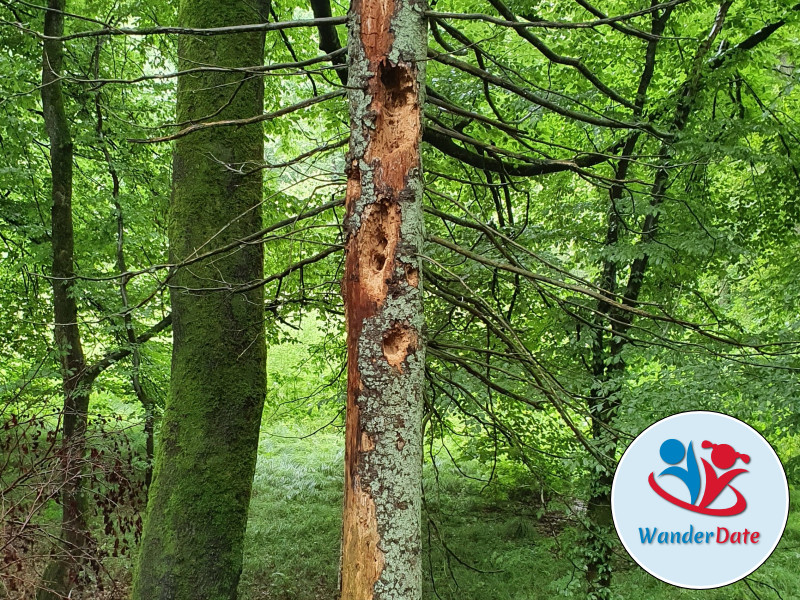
(479, 543)
(293, 529)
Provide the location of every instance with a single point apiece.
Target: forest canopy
(316, 300)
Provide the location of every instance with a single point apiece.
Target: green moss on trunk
(194, 528)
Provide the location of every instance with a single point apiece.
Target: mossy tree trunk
(63, 566)
(383, 453)
(193, 535)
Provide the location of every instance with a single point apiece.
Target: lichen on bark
(383, 300)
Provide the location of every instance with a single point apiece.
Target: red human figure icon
(724, 457)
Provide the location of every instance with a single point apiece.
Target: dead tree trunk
(383, 455)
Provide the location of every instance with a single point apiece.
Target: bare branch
(541, 101)
(240, 122)
(92, 371)
(255, 70)
(604, 20)
(552, 56)
(203, 32)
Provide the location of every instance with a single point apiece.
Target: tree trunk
(127, 319)
(383, 452)
(74, 535)
(604, 403)
(599, 543)
(193, 535)
(607, 365)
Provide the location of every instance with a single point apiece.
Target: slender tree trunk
(193, 535)
(149, 450)
(62, 568)
(130, 335)
(383, 454)
(127, 319)
(599, 545)
(604, 403)
(607, 365)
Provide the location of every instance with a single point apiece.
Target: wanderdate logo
(700, 500)
(723, 456)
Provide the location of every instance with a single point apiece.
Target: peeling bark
(383, 453)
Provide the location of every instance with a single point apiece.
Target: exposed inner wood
(397, 343)
(367, 443)
(363, 559)
(395, 144)
(376, 35)
(412, 276)
(376, 245)
(392, 151)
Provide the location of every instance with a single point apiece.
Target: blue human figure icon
(672, 452)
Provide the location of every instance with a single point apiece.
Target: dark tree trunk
(607, 360)
(65, 561)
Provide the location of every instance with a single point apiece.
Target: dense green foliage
(593, 256)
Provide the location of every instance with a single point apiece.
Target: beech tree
(193, 532)
(73, 550)
(67, 334)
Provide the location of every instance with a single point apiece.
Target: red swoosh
(737, 508)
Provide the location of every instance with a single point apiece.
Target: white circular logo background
(700, 500)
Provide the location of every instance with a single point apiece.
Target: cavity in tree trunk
(383, 454)
(62, 568)
(192, 541)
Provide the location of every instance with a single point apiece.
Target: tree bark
(62, 568)
(383, 452)
(193, 534)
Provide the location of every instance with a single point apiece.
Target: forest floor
(479, 543)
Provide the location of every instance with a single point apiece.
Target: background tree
(78, 377)
(67, 335)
